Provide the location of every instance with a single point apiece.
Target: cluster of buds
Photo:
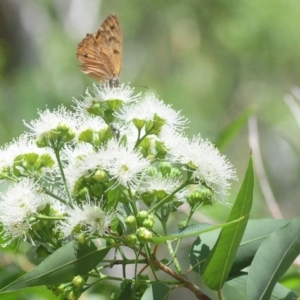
(84, 174)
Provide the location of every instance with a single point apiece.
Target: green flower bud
(62, 132)
(176, 203)
(141, 216)
(161, 150)
(207, 196)
(152, 171)
(144, 146)
(194, 197)
(200, 196)
(165, 168)
(148, 126)
(96, 109)
(73, 295)
(56, 137)
(131, 240)
(103, 136)
(144, 235)
(78, 282)
(148, 198)
(151, 217)
(86, 136)
(161, 194)
(41, 141)
(46, 161)
(130, 221)
(138, 123)
(175, 173)
(149, 222)
(154, 126)
(182, 224)
(100, 176)
(108, 116)
(114, 104)
(58, 290)
(81, 238)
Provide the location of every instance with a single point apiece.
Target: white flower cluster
(75, 168)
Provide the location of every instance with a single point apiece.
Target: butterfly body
(101, 53)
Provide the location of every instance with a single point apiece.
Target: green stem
(43, 218)
(148, 252)
(169, 246)
(166, 199)
(103, 277)
(63, 175)
(137, 253)
(47, 192)
(132, 203)
(140, 139)
(174, 258)
(187, 223)
(124, 261)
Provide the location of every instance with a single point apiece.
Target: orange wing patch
(101, 53)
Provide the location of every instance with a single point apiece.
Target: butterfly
(100, 54)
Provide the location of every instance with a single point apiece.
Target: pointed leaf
(126, 292)
(234, 127)
(236, 288)
(219, 261)
(68, 261)
(273, 258)
(256, 232)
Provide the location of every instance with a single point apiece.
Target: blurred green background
(213, 60)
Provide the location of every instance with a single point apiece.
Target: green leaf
(157, 291)
(256, 232)
(220, 260)
(273, 258)
(236, 288)
(191, 230)
(126, 292)
(68, 261)
(231, 131)
(113, 195)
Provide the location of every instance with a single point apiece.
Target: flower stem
(56, 151)
(166, 199)
(47, 192)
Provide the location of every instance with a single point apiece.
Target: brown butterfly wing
(101, 53)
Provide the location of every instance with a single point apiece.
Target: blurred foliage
(214, 60)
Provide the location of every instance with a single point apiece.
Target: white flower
(49, 121)
(159, 183)
(103, 92)
(90, 122)
(74, 159)
(20, 202)
(148, 109)
(21, 146)
(209, 166)
(122, 164)
(89, 216)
